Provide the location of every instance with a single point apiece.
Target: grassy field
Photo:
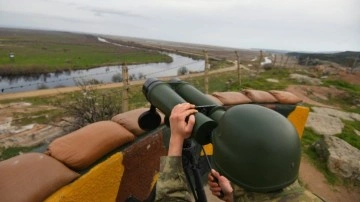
(45, 51)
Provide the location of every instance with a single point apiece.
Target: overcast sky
(302, 25)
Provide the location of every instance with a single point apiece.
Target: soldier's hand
(179, 123)
(222, 184)
(182, 121)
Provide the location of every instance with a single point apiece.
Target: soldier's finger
(215, 189)
(210, 177)
(213, 184)
(215, 173)
(191, 122)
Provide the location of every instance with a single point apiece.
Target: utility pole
(206, 72)
(125, 92)
(238, 68)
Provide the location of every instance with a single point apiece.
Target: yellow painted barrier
(101, 183)
(298, 118)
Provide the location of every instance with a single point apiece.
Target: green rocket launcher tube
(162, 96)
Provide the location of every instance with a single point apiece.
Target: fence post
(238, 68)
(206, 73)
(125, 92)
(260, 59)
(287, 58)
(307, 61)
(274, 62)
(354, 64)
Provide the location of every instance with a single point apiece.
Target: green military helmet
(256, 148)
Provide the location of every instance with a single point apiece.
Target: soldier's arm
(172, 183)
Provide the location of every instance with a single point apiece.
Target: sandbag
(129, 120)
(231, 98)
(83, 147)
(258, 96)
(285, 97)
(215, 99)
(32, 177)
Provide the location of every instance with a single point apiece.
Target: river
(103, 74)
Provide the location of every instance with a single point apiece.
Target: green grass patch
(137, 98)
(218, 64)
(217, 82)
(6, 153)
(260, 82)
(340, 84)
(39, 117)
(349, 101)
(308, 139)
(348, 133)
(228, 81)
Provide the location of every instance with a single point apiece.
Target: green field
(45, 51)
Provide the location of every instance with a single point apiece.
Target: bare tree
(91, 105)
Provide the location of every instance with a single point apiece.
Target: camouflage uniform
(293, 192)
(172, 186)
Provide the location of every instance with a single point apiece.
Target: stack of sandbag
(254, 96)
(35, 176)
(32, 177)
(83, 147)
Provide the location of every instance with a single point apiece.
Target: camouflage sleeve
(293, 192)
(172, 184)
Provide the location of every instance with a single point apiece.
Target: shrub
(117, 78)
(182, 71)
(43, 86)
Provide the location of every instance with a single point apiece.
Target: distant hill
(346, 58)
